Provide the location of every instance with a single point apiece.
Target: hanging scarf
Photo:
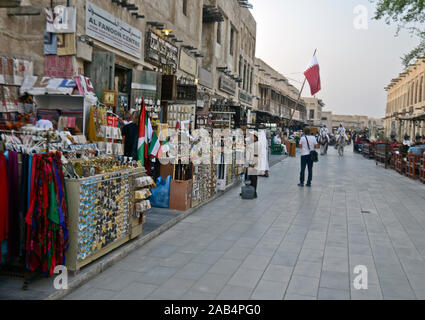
(47, 232)
(4, 200)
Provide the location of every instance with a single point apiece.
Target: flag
(150, 130)
(142, 145)
(154, 147)
(313, 76)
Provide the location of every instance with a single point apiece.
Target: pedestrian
(130, 133)
(307, 144)
(259, 164)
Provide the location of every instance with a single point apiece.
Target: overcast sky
(356, 65)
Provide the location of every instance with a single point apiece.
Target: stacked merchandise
(202, 185)
(103, 128)
(141, 186)
(34, 218)
(106, 205)
(104, 213)
(180, 113)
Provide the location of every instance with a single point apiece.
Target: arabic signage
(245, 97)
(187, 63)
(206, 78)
(227, 85)
(104, 27)
(160, 52)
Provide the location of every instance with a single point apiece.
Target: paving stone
(308, 268)
(172, 289)
(278, 273)
(135, 291)
(305, 286)
(297, 297)
(332, 294)
(192, 271)
(269, 290)
(246, 278)
(92, 294)
(231, 292)
(225, 267)
(335, 280)
(117, 281)
(157, 275)
(211, 283)
(256, 262)
(283, 258)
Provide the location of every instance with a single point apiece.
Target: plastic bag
(161, 195)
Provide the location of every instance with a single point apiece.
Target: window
(185, 7)
(232, 40)
(219, 33)
(311, 114)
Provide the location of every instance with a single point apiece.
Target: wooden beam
(24, 11)
(10, 3)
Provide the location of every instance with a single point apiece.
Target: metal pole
(299, 96)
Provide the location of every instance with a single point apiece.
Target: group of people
(308, 145)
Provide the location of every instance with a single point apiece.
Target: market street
(290, 243)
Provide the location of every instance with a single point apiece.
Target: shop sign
(103, 26)
(227, 85)
(187, 63)
(160, 52)
(206, 78)
(245, 97)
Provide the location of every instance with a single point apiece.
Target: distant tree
(406, 14)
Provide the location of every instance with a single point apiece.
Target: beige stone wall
(406, 99)
(316, 105)
(23, 36)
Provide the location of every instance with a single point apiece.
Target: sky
(356, 64)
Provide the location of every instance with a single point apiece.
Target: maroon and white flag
(313, 76)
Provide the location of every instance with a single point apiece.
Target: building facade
(314, 111)
(405, 111)
(350, 122)
(276, 97)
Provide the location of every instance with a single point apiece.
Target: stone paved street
(290, 243)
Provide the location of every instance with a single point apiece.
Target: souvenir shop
(69, 196)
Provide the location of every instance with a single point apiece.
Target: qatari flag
(313, 76)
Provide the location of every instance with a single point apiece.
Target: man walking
(307, 144)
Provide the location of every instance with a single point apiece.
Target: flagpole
(299, 96)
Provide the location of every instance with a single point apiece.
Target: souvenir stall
(14, 108)
(106, 205)
(33, 217)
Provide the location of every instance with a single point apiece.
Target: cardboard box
(181, 195)
(166, 170)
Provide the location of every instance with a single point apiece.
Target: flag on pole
(313, 76)
(150, 130)
(142, 146)
(154, 147)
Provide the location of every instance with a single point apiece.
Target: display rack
(86, 243)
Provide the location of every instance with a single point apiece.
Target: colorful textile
(47, 232)
(142, 146)
(4, 207)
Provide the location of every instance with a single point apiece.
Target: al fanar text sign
(108, 29)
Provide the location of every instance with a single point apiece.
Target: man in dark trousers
(130, 134)
(307, 144)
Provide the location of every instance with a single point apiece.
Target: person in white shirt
(307, 144)
(341, 130)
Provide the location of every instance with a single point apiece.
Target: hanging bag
(313, 153)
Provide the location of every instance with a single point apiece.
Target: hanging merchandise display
(104, 212)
